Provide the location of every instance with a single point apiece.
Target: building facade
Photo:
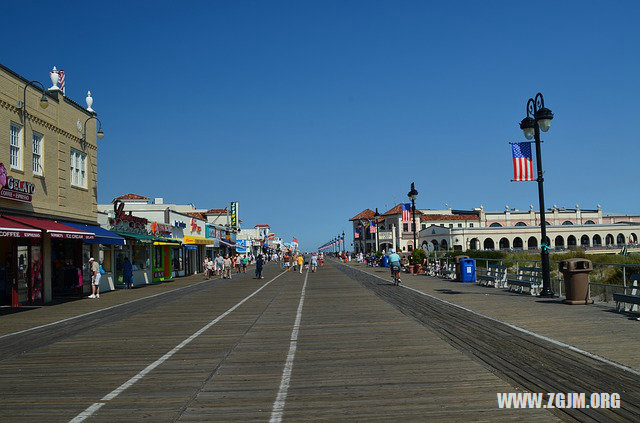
(48, 178)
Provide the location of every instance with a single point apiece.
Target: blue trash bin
(468, 270)
(385, 261)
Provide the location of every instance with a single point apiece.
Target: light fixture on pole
(413, 194)
(344, 248)
(531, 126)
(99, 133)
(44, 103)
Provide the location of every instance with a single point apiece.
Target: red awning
(55, 229)
(11, 229)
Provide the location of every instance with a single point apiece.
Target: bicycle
(395, 271)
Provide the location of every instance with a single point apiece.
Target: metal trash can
(468, 270)
(576, 280)
(458, 270)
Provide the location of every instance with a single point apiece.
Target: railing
(619, 273)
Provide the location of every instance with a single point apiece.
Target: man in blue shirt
(394, 264)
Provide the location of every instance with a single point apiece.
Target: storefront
(194, 248)
(40, 248)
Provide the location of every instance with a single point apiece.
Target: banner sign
(234, 214)
(241, 246)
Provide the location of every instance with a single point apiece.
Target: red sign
(121, 216)
(62, 235)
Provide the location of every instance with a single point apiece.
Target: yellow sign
(196, 240)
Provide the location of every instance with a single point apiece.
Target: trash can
(576, 280)
(458, 271)
(385, 261)
(468, 269)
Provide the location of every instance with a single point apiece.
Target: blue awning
(190, 247)
(103, 236)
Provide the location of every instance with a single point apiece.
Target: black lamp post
(376, 216)
(44, 103)
(344, 248)
(99, 134)
(413, 194)
(531, 126)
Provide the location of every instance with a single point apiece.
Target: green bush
(417, 256)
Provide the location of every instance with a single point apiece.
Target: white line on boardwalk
(99, 310)
(93, 408)
(278, 404)
(518, 328)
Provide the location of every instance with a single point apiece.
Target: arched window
(596, 240)
(504, 244)
(567, 222)
(620, 240)
(443, 244)
(521, 224)
(608, 240)
(495, 225)
(410, 247)
(517, 243)
(571, 241)
(436, 247)
(634, 238)
(589, 222)
(584, 240)
(532, 243)
(474, 244)
(559, 242)
(488, 244)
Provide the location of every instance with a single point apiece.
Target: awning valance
(53, 228)
(11, 229)
(103, 236)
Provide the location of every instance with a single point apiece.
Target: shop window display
(140, 259)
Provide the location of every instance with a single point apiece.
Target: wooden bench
(633, 298)
(494, 275)
(528, 278)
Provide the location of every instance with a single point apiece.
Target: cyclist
(394, 264)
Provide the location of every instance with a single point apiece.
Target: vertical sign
(234, 214)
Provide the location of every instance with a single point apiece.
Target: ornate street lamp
(413, 194)
(44, 103)
(531, 126)
(99, 134)
(344, 248)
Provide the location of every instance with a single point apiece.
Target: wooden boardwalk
(358, 357)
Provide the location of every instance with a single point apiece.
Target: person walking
(314, 263)
(127, 273)
(300, 261)
(94, 266)
(226, 268)
(259, 264)
(236, 263)
(218, 262)
(210, 267)
(292, 261)
(244, 264)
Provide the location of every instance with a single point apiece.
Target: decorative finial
(599, 207)
(89, 102)
(54, 79)
(506, 207)
(577, 206)
(531, 207)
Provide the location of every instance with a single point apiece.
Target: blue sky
(307, 112)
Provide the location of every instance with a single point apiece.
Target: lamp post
(344, 248)
(413, 194)
(99, 134)
(376, 216)
(22, 105)
(531, 126)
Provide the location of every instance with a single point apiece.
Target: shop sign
(14, 189)
(385, 235)
(179, 224)
(234, 214)
(19, 234)
(160, 228)
(61, 235)
(123, 222)
(194, 226)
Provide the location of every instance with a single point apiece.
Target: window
(140, 258)
(451, 225)
(424, 226)
(405, 227)
(78, 168)
(15, 149)
(37, 154)
(459, 225)
(471, 225)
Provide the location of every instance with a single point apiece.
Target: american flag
(522, 162)
(61, 80)
(356, 234)
(372, 227)
(406, 212)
